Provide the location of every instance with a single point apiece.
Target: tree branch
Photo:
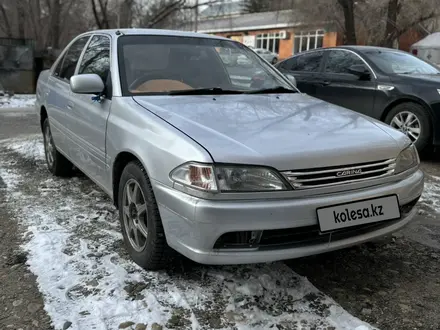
(7, 28)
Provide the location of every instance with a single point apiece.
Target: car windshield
(153, 64)
(392, 62)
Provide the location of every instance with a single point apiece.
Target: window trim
(328, 50)
(87, 45)
(108, 87)
(63, 54)
(301, 36)
(268, 36)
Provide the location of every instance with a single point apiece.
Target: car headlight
(407, 159)
(228, 178)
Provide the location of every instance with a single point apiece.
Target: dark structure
(17, 65)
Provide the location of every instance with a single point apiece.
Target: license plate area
(345, 215)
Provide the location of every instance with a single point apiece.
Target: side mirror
(291, 79)
(87, 84)
(359, 70)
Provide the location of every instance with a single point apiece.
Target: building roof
(221, 9)
(247, 22)
(431, 41)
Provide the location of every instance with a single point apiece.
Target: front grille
(337, 175)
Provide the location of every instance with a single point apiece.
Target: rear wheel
(141, 224)
(413, 120)
(57, 164)
(275, 60)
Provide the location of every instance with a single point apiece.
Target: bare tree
(375, 22)
(256, 6)
(5, 24)
(349, 21)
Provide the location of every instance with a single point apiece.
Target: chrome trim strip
(301, 186)
(388, 168)
(354, 167)
(299, 180)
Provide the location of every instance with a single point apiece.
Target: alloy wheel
(408, 123)
(135, 215)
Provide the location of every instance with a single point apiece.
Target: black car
(390, 85)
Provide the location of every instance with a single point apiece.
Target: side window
(310, 62)
(338, 61)
(66, 67)
(97, 58)
(289, 64)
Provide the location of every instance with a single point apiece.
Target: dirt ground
(392, 283)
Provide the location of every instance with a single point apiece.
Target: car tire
(57, 164)
(424, 122)
(151, 252)
(275, 60)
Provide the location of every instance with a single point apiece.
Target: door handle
(70, 105)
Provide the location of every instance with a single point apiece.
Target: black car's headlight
(228, 178)
(407, 159)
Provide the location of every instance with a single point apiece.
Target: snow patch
(17, 101)
(431, 193)
(75, 249)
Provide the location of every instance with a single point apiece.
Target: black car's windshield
(393, 62)
(156, 64)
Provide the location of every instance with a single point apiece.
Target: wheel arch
(408, 99)
(121, 160)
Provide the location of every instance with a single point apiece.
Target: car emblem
(349, 172)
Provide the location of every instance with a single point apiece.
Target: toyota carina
(224, 164)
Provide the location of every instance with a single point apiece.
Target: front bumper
(193, 226)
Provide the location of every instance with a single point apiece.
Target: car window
(339, 61)
(151, 64)
(97, 57)
(395, 62)
(66, 67)
(310, 62)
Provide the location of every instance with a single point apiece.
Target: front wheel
(141, 224)
(413, 120)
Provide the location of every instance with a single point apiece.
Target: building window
(269, 41)
(308, 40)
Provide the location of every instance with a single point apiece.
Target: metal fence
(17, 65)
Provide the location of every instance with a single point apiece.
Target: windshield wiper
(278, 89)
(205, 91)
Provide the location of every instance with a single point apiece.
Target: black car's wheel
(141, 224)
(275, 60)
(57, 164)
(414, 121)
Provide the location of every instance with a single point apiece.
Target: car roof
(157, 32)
(362, 49)
(357, 49)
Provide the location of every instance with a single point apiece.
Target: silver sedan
(222, 169)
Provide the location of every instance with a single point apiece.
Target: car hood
(286, 131)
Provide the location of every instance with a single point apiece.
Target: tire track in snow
(75, 248)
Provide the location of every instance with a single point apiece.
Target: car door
(306, 70)
(89, 115)
(341, 86)
(59, 95)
